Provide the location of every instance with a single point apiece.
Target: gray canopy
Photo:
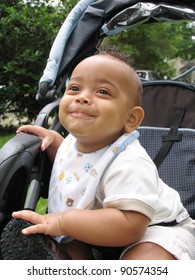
(90, 21)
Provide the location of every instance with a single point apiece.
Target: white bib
(75, 175)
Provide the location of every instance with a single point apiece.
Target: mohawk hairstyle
(115, 52)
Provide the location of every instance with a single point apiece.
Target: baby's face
(97, 101)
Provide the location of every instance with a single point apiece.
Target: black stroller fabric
(85, 37)
(161, 101)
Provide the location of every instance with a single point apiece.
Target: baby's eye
(103, 91)
(74, 88)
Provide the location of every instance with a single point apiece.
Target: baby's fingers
(28, 215)
(45, 144)
(33, 229)
(34, 218)
(25, 128)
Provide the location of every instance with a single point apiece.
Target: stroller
(167, 131)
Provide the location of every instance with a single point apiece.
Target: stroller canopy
(90, 21)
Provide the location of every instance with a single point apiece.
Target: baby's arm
(51, 139)
(103, 227)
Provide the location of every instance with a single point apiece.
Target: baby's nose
(84, 97)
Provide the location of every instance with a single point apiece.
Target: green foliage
(152, 46)
(27, 31)
(186, 44)
(5, 138)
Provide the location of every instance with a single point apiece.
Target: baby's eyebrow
(105, 81)
(78, 78)
(102, 80)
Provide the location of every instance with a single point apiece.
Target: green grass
(5, 138)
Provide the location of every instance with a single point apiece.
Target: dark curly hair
(117, 53)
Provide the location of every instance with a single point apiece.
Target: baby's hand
(47, 136)
(49, 224)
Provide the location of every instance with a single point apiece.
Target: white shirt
(132, 182)
(129, 181)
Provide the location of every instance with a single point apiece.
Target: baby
(105, 193)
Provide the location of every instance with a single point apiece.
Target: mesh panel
(178, 168)
(89, 24)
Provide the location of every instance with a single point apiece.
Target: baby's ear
(134, 119)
